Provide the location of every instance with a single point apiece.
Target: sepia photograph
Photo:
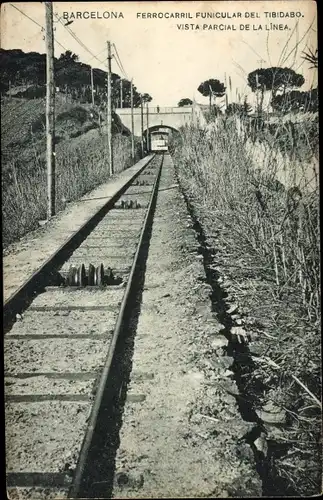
(161, 249)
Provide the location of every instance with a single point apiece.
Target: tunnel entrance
(157, 138)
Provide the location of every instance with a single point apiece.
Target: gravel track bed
(181, 423)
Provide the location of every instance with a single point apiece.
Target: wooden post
(132, 125)
(142, 126)
(147, 130)
(92, 86)
(121, 94)
(226, 91)
(210, 96)
(230, 86)
(257, 93)
(50, 111)
(109, 111)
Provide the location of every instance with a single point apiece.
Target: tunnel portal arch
(165, 130)
(160, 128)
(171, 117)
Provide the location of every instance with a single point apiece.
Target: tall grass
(289, 150)
(268, 244)
(279, 225)
(81, 165)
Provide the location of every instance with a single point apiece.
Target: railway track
(64, 331)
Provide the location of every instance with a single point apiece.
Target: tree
(146, 97)
(19, 68)
(296, 101)
(273, 79)
(238, 109)
(68, 57)
(185, 102)
(211, 88)
(126, 93)
(311, 57)
(71, 76)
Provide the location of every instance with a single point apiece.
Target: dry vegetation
(267, 255)
(81, 161)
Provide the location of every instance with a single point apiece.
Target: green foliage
(72, 77)
(77, 114)
(126, 93)
(296, 101)
(186, 101)
(296, 140)
(274, 79)
(68, 57)
(146, 98)
(81, 165)
(311, 57)
(17, 67)
(32, 92)
(212, 87)
(235, 108)
(212, 113)
(267, 242)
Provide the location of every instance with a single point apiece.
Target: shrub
(81, 165)
(267, 246)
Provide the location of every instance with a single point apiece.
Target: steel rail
(77, 484)
(21, 298)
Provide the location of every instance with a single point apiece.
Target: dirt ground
(182, 431)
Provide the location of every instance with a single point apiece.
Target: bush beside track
(81, 160)
(265, 242)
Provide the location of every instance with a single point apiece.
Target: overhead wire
(42, 30)
(119, 66)
(28, 17)
(77, 39)
(71, 33)
(119, 62)
(94, 57)
(35, 22)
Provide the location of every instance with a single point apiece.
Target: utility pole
(92, 86)
(147, 129)
(50, 111)
(109, 111)
(257, 95)
(260, 106)
(210, 96)
(142, 125)
(132, 125)
(230, 87)
(121, 93)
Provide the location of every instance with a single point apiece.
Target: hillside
(23, 125)
(24, 75)
(80, 146)
(81, 161)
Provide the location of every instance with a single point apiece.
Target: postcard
(161, 249)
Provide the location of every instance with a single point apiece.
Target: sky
(167, 62)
